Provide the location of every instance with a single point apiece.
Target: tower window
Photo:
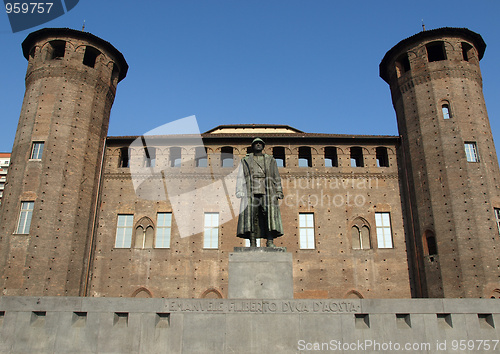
(402, 65)
(331, 158)
(201, 157)
(305, 158)
(445, 108)
(227, 156)
(384, 233)
(124, 227)
(497, 218)
(56, 49)
(124, 158)
(436, 51)
(163, 230)
(211, 233)
(467, 53)
(175, 156)
(150, 157)
(306, 230)
(115, 74)
(382, 157)
(471, 152)
(357, 157)
(279, 156)
(90, 56)
(24, 222)
(430, 246)
(36, 150)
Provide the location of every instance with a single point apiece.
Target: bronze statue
(259, 186)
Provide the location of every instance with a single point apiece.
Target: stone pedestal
(260, 273)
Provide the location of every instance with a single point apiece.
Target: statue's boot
(253, 241)
(270, 243)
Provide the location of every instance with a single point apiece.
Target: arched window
(115, 74)
(142, 293)
(445, 108)
(144, 233)
(467, 52)
(150, 157)
(357, 157)
(201, 157)
(360, 235)
(124, 157)
(435, 51)
(90, 56)
(331, 158)
(402, 65)
(226, 156)
(211, 294)
(382, 157)
(175, 156)
(279, 156)
(305, 157)
(56, 49)
(353, 294)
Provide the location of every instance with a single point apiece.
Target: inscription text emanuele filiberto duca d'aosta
(263, 306)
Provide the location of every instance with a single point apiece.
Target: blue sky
(309, 64)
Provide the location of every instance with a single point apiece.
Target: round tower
(48, 208)
(448, 163)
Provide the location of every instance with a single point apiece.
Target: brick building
(4, 166)
(414, 215)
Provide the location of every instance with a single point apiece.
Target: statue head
(258, 145)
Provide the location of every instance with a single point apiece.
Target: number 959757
(32, 7)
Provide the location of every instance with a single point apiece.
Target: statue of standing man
(259, 187)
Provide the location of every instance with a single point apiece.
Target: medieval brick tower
(448, 161)
(48, 214)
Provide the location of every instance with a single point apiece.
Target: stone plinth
(260, 273)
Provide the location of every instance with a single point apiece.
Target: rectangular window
(211, 234)
(24, 223)
(306, 230)
(163, 230)
(37, 150)
(124, 231)
(384, 234)
(497, 218)
(471, 152)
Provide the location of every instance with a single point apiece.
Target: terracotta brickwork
(66, 107)
(416, 215)
(437, 93)
(339, 198)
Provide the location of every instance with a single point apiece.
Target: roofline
(54, 32)
(253, 126)
(249, 136)
(474, 37)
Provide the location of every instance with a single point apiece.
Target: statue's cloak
(271, 203)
